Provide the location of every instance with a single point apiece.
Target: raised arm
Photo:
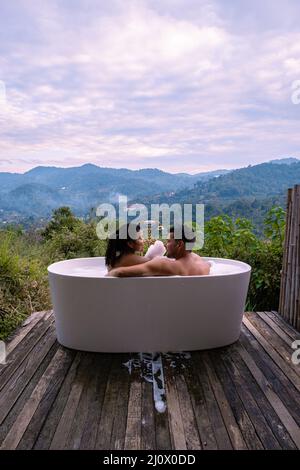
(155, 267)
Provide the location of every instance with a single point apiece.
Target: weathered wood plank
(275, 341)
(233, 430)
(288, 329)
(214, 413)
(134, 416)
(41, 414)
(285, 417)
(280, 383)
(277, 358)
(242, 418)
(161, 423)
(98, 387)
(245, 391)
(22, 350)
(273, 419)
(206, 433)
(176, 426)
(148, 441)
(278, 330)
(22, 399)
(189, 423)
(47, 432)
(21, 332)
(16, 384)
(64, 426)
(117, 441)
(162, 431)
(19, 427)
(106, 423)
(78, 424)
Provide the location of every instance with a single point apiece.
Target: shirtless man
(183, 262)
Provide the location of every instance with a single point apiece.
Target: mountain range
(40, 190)
(248, 191)
(245, 192)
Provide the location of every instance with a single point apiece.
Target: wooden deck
(244, 396)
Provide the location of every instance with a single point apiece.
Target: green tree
(275, 224)
(226, 238)
(62, 219)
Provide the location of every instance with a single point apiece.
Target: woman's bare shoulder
(131, 259)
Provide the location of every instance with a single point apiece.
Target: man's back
(192, 265)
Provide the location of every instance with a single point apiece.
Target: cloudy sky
(181, 85)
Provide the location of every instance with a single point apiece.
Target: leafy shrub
(81, 242)
(23, 281)
(225, 238)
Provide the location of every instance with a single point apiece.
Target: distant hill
(38, 191)
(257, 181)
(285, 161)
(247, 192)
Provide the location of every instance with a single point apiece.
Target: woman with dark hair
(123, 251)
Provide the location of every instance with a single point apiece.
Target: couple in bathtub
(124, 256)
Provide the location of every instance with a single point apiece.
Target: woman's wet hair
(118, 243)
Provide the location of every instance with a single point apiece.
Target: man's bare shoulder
(197, 257)
(165, 265)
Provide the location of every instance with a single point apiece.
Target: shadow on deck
(246, 395)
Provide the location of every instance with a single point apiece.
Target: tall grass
(23, 280)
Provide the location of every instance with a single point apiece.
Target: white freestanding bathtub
(147, 314)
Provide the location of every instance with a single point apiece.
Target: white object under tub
(147, 314)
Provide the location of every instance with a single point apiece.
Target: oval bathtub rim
(66, 275)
